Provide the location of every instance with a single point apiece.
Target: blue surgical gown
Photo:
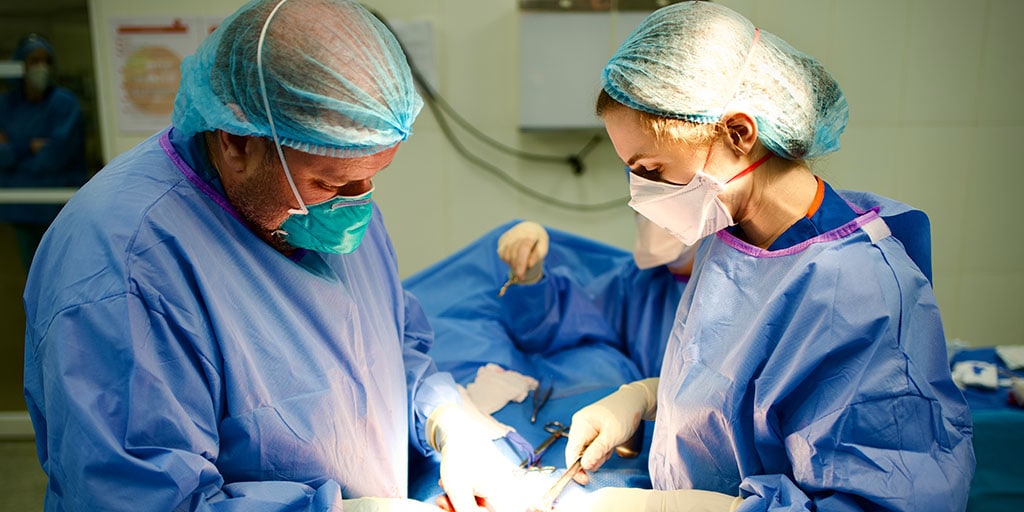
(593, 303)
(57, 118)
(815, 377)
(175, 361)
(625, 306)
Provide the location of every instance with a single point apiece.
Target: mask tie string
(301, 210)
(739, 80)
(751, 167)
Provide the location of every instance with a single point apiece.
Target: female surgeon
(806, 369)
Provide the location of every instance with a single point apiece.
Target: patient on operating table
(503, 361)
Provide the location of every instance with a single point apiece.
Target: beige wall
(932, 86)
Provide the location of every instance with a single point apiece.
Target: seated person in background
(634, 304)
(806, 368)
(42, 141)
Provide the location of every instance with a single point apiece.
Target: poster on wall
(147, 57)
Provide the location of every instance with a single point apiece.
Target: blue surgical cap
(697, 61)
(337, 81)
(29, 44)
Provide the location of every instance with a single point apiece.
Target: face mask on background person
(689, 212)
(37, 77)
(654, 246)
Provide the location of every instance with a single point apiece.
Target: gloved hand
(471, 465)
(523, 247)
(386, 505)
(607, 423)
(487, 425)
(616, 499)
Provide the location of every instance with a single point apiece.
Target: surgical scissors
(557, 430)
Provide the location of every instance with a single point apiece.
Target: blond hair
(663, 129)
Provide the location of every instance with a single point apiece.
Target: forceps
(557, 430)
(512, 279)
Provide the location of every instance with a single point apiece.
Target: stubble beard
(257, 201)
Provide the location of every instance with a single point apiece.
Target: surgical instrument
(512, 279)
(504, 288)
(542, 470)
(540, 397)
(557, 430)
(548, 499)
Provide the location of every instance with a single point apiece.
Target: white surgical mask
(37, 77)
(654, 246)
(689, 212)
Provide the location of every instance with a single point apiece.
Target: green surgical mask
(334, 226)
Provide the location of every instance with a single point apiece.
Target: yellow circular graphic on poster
(151, 77)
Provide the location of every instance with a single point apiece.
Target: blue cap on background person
(29, 44)
(38, 55)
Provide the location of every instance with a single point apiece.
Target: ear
(742, 130)
(234, 151)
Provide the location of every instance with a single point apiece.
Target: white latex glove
(609, 422)
(471, 464)
(617, 499)
(522, 490)
(386, 505)
(488, 425)
(523, 247)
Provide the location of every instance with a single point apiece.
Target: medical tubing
(551, 200)
(439, 107)
(573, 160)
(302, 210)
